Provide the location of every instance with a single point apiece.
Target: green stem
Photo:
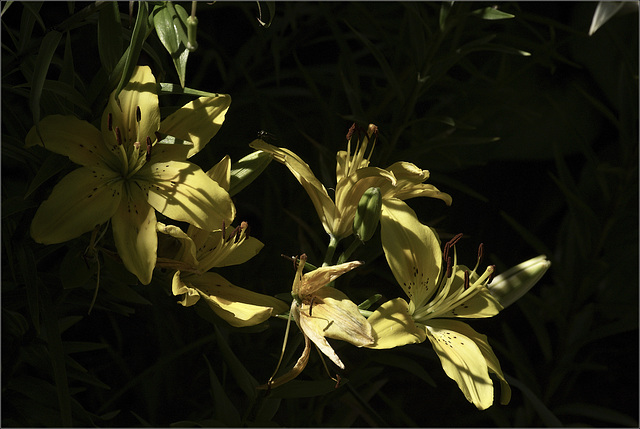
(352, 247)
(331, 249)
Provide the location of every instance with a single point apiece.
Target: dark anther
(138, 114)
(466, 280)
(118, 136)
(148, 148)
(493, 267)
(110, 122)
(450, 244)
(158, 136)
(224, 229)
(337, 380)
(234, 234)
(351, 131)
(480, 253)
(449, 267)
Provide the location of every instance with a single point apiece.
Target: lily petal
(393, 326)
(197, 121)
(238, 306)
(219, 252)
(455, 343)
(412, 250)
(323, 204)
(313, 328)
(221, 172)
(187, 252)
(478, 305)
(140, 93)
(294, 372)
(135, 235)
(314, 280)
(178, 287)
(72, 137)
(83, 199)
(349, 190)
(341, 316)
(182, 191)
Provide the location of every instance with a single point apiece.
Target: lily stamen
(148, 157)
(110, 122)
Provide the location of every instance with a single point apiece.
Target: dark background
(540, 155)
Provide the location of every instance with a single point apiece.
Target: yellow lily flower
(201, 251)
(126, 174)
(437, 296)
(322, 312)
(353, 177)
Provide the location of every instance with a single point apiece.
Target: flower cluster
(137, 164)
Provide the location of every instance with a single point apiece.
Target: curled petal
(182, 191)
(197, 121)
(135, 234)
(313, 328)
(83, 199)
(72, 137)
(238, 306)
(187, 252)
(393, 326)
(178, 287)
(457, 346)
(323, 204)
(314, 280)
(294, 372)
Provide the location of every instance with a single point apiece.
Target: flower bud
(368, 214)
(247, 170)
(511, 285)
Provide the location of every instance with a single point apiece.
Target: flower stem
(352, 247)
(331, 249)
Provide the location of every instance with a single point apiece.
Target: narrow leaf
(45, 54)
(109, 36)
(133, 52)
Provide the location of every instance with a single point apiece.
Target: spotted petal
(182, 191)
(140, 93)
(197, 121)
(393, 326)
(72, 137)
(457, 346)
(412, 250)
(83, 199)
(135, 235)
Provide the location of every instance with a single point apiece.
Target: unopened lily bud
(192, 28)
(367, 214)
(511, 285)
(247, 170)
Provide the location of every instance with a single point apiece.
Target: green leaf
(74, 270)
(67, 74)
(45, 54)
(224, 409)
(133, 51)
(172, 88)
(402, 362)
(170, 24)
(109, 36)
(492, 13)
(247, 170)
(245, 380)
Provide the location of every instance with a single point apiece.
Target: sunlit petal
(140, 94)
(342, 317)
(197, 121)
(412, 250)
(83, 199)
(221, 172)
(182, 191)
(313, 327)
(135, 235)
(238, 306)
(393, 326)
(189, 295)
(462, 360)
(314, 280)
